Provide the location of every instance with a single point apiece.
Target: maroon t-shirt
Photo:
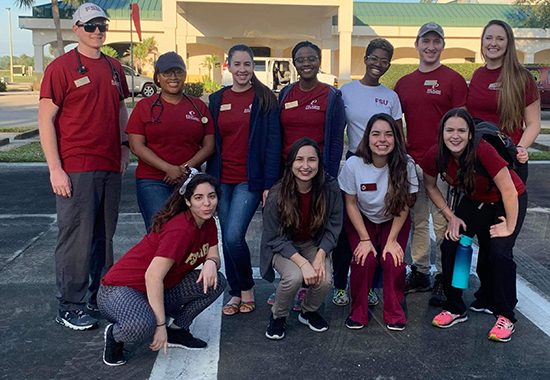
(180, 239)
(303, 115)
(488, 158)
(303, 232)
(175, 138)
(234, 124)
(425, 98)
(87, 122)
(483, 94)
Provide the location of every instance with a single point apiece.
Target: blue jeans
(151, 196)
(236, 208)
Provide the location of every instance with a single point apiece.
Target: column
(529, 58)
(326, 60)
(345, 28)
(38, 59)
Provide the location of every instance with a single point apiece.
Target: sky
(22, 38)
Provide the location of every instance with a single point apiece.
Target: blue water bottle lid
(466, 241)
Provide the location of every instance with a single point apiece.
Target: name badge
(494, 86)
(368, 187)
(225, 107)
(290, 105)
(81, 81)
(430, 82)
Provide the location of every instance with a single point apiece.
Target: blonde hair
(513, 79)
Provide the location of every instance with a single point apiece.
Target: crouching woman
(302, 220)
(155, 281)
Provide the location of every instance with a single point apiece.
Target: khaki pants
(292, 280)
(420, 213)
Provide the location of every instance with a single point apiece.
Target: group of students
(285, 154)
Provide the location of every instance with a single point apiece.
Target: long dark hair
(176, 202)
(267, 99)
(397, 197)
(467, 160)
(289, 209)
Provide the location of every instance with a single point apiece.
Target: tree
(537, 13)
(56, 18)
(209, 62)
(109, 51)
(142, 51)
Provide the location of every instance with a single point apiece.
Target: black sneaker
(76, 320)
(438, 295)
(276, 328)
(182, 338)
(480, 307)
(351, 324)
(113, 351)
(313, 320)
(395, 326)
(417, 281)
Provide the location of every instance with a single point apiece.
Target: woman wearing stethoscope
(169, 133)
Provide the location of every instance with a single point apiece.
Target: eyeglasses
(310, 59)
(91, 27)
(377, 60)
(178, 73)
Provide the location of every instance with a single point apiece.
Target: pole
(132, 53)
(11, 44)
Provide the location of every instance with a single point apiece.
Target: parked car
(144, 86)
(542, 77)
(276, 73)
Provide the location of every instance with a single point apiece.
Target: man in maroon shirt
(81, 118)
(426, 95)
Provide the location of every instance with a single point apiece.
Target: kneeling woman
(493, 208)
(156, 279)
(378, 185)
(302, 220)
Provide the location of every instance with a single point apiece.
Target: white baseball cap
(87, 12)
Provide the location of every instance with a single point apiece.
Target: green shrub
(193, 89)
(396, 71)
(210, 85)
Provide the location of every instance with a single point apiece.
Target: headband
(192, 173)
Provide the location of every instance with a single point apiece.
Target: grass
(16, 129)
(545, 131)
(33, 153)
(16, 79)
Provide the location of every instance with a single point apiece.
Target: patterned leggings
(133, 318)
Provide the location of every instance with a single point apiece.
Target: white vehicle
(142, 85)
(276, 73)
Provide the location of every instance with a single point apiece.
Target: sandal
(231, 308)
(247, 307)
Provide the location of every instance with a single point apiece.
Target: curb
(26, 135)
(4, 141)
(541, 147)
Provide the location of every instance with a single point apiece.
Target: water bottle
(463, 260)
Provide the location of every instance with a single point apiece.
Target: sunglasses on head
(91, 27)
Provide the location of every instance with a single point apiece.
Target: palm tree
(56, 18)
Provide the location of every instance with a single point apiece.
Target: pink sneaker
(502, 330)
(298, 299)
(446, 319)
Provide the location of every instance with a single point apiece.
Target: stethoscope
(114, 73)
(157, 104)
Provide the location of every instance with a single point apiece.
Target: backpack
(501, 142)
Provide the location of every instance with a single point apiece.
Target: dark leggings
(133, 318)
(495, 264)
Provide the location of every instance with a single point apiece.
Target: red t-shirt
(179, 239)
(87, 122)
(489, 158)
(303, 232)
(176, 138)
(303, 115)
(234, 124)
(425, 98)
(483, 94)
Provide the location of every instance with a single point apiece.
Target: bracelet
(215, 260)
(443, 208)
(364, 240)
(162, 324)
(304, 263)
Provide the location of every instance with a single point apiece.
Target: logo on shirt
(494, 86)
(313, 105)
(383, 102)
(194, 256)
(248, 109)
(192, 116)
(433, 85)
